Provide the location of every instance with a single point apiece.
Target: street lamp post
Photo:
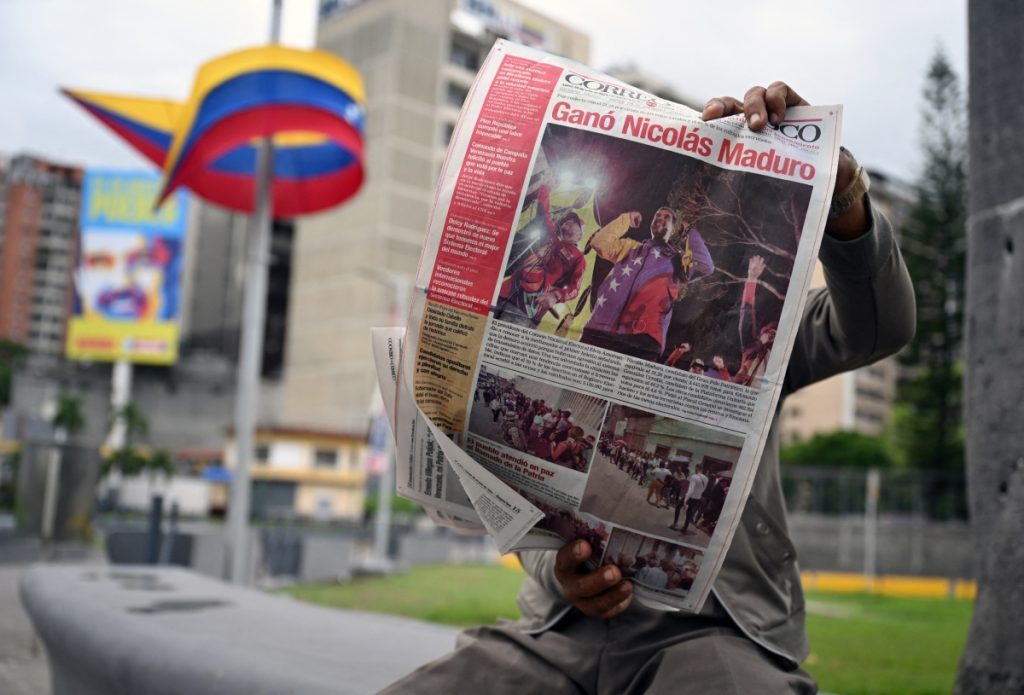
(253, 317)
(399, 285)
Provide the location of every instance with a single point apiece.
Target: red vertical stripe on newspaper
(489, 184)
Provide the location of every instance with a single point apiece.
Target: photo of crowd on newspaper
(654, 254)
(569, 525)
(554, 424)
(661, 476)
(653, 563)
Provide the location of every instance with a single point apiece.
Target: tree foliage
(714, 201)
(69, 416)
(129, 458)
(11, 353)
(934, 242)
(840, 449)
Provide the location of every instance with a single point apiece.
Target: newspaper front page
(602, 318)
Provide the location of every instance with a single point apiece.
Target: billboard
(128, 272)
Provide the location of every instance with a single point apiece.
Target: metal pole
(382, 536)
(382, 520)
(50, 493)
(167, 539)
(154, 532)
(120, 396)
(874, 481)
(253, 317)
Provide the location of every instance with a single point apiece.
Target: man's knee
(495, 660)
(726, 663)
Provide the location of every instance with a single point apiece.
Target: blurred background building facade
(343, 259)
(39, 202)
(332, 276)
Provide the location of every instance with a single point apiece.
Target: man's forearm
(866, 313)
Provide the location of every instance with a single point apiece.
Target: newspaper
(602, 317)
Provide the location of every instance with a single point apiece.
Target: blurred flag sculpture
(272, 131)
(309, 102)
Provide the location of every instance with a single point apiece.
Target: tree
(69, 416)
(161, 462)
(127, 458)
(933, 242)
(993, 662)
(11, 353)
(713, 201)
(839, 449)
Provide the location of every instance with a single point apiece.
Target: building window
(870, 394)
(325, 458)
(464, 57)
(866, 416)
(324, 508)
(456, 95)
(446, 134)
(261, 454)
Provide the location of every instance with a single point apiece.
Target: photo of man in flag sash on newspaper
(651, 253)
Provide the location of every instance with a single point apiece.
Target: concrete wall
(192, 495)
(906, 545)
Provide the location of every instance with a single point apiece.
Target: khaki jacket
(865, 312)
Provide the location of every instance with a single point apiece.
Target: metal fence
(879, 522)
(937, 496)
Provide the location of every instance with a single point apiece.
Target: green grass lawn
(454, 595)
(876, 645)
(862, 645)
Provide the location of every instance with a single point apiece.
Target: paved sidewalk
(23, 666)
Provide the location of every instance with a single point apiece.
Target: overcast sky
(870, 55)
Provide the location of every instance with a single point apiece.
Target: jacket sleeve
(865, 311)
(569, 285)
(700, 263)
(540, 564)
(608, 243)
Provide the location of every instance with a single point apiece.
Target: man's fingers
(720, 107)
(755, 108)
(570, 556)
(591, 585)
(777, 98)
(601, 593)
(608, 604)
(761, 105)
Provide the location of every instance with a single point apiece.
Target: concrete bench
(156, 631)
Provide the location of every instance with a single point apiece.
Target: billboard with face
(128, 274)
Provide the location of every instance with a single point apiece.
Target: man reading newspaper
(582, 633)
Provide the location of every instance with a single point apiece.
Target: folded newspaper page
(603, 313)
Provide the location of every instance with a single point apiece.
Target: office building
(303, 473)
(418, 60)
(214, 285)
(39, 202)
